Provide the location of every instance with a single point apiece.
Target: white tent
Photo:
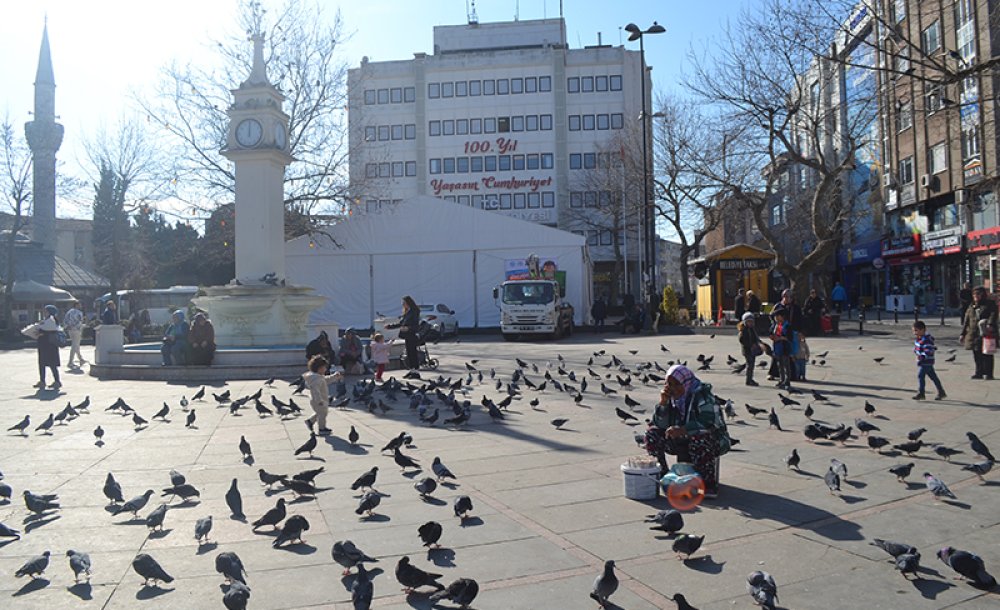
(437, 252)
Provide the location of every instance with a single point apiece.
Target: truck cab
(533, 307)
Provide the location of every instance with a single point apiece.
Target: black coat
(48, 348)
(411, 322)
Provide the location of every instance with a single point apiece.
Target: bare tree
(301, 55)
(15, 182)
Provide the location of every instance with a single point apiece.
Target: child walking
(380, 354)
(780, 335)
(318, 382)
(750, 343)
(801, 357)
(924, 348)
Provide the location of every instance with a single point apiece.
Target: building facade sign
(741, 264)
(899, 246)
(984, 240)
(533, 183)
(944, 241)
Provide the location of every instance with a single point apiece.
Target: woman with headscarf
(978, 323)
(691, 425)
(47, 342)
(350, 352)
(202, 340)
(175, 341)
(409, 323)
(321, 346)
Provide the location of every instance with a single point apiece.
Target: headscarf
(689, 382)
(747, 316)
(199, 317)
(52, 310)
(178, 316)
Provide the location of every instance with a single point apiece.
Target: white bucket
(641, 483)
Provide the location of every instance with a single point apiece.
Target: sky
(105, 50)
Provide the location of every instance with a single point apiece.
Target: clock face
(248, 132)
(279, 136)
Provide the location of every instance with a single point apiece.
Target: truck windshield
(528, 293)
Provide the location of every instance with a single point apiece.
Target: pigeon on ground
(901, 471)
(915, 434)
(909, 448)
(163, 412)
(786, 401)
(670, 521)
(366, 480)
(309, 475)
(605, 584)
(462, 507)
(754, 411)
(772, 419)
(979, 447)
(99, 434)
(395, 442)
(184, 492)
(353, 436)
(687, 544)
(412, 577)
(229, 565)
(559, 422)
(792, 460)
(440, 470)
(79, 563)
(813, 432)
(292, 530)
(235, 502)
(46, 426)
(841, 436)
(201, 529)
(362, 590)
(34, 567)
(937, 487)
(177, 478)
(245, 449)
(625, 415)
(308, 446)
(682, 602)
(979, 468)
(191, 417)
(863, 426)
(236, 596)
(21, 426)
(138, 421)
(430, 533)
(299, 488)
(462, 592)
(946, 452)
(155, 519)
(269, 479)
(875, 443)
(7, 531)
(135, 504)
(404, 461)
(39, 504)
(762, 589)
(969, 565)
(832, 480)
(348, 555)
(894, 548)
(809, 412)
(869, 408)
(368, 503)
(112, 490)
(272, 517)
(839, 467)
(425, 486)
(908, 563)
(147, 567)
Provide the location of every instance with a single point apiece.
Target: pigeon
(229, 565)
(440, 470)
(162, 413)
(272, 517)
(605, 584)
(112, 490)
(267, 478)
(34, 567)
(235, 502)
(366, 480)
(682, 602)
(201, 528)
(346, 554)
(839, 467)
(185, 492)
(809, 412)
(135, 504)
(869, 408)
(914, 435)
(155, 519)
(630, 403)
(946, 452)
(670, 521)
(99, 434)
(762, 589)
(7, 531)
(352, 436)
(559, 422)
(792, 460)
(901, 471)
(299, 488)
(21, 426)
(5, 493)
(937, 487)
(462, 507)
(177, 478)
(245, 449)
(909, 448)
(46, 426)
(83, 406)
(877, 442)
(788, 401)
(979, 468)
(309, 475)
(308, 446)
(425, 486)
(813, 432)
(138, 421)
(362, 590)
(968, 565)
(841, 436)
(832, 480)
(40, 504)
(292, 531)
(864, 427)
(191, 416)
(687, 544)
(404, 461)
(908, 563)
(412, 577)
(395, 442)
(430, 533)
(979, 447)
(754, 411)
(772, 420)
(147, 567)
(462, 592)
(894, 548)
(625, 415)
(199, 394)
(369, 501)
(79, 563)
(262, 411)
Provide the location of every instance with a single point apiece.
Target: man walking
(73, 325)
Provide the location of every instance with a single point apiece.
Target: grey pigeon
(40, 504)
(292, 530)
(46, 426)
(969, 565)
(177, 478)
(163, 412)
(7, 531)
(762, 589)
(366, 480)
(412, 577)
(864, 427)
(191, 416)
(792, 460)
(839, 467)
(299, 488)
(430, 533)
(832, 480)
(353, 436)
(201, 528)
(875, 443)
(937, 487)
(979, 446)
(138, 421)
(309, 475)
(902, 471)
(185, 491)
(229, 565)
(99, 434)
(236, 596)
(687, 544)
(362, 590)
(772, 419)
(235, 502)
(440, 470)
(682, 602)
(155, 519)
(269, 479)
(135, 504)
(670, 521)
(308, 446)
(21, 426)
(147, 567)
(368, 503)
(5, 493)
(914, 435)
(462, 506)
(79, 563)
(245, 448)
(605, 584)
(894, 548)
(34, 567)
(346, 554)
(272, 517)
(462, 592)
(425, 486)
(908, 563)
(395, 442)
(112, 490)
(404, 461)
(979, 468)
(947, 452)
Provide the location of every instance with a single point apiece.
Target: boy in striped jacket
(924, 348)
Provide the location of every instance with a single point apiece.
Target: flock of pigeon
(454, 396)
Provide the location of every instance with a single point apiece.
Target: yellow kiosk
(723, 272)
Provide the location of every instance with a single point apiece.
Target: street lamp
(648, 218)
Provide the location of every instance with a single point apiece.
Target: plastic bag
(989, 345)
(31, 331)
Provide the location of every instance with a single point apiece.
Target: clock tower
(257, 143)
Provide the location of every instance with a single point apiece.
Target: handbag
(756, 350)
(989, 345)
(57, 338)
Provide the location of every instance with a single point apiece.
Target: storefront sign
(741, 264)
(944, 241)
(905, 260)
(859, 254)
(983, 240)
(897, 246)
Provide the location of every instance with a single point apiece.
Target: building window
(503, 124)
(476, 165)
(902, 61)
(490, 162)
(576, 199)
(778, 213)
(588, 122)
(932, 97)
(617, 121)
(517, 123)
(518, 163)
(930, 38)
(503, 86)
(463, 200)
(601, 83)
(517, 85)
(463, 165)
(503, 163)
(448, 89)
(548, 160)
(397, 132)
(411, 168)
(589, 160)
(904, 116)
(371, 170)
(383, 133)
(970, 142)
(475, 126)
(906, 171)
(576, 161)
(448, 128)
(531, 122)
(462, 127)
(409, 94)
(593, 237)
(396, 95)
(384, 170)
(370, 97)
(899, 10)
(435, 166)
(489, 87)
(383, 96)
(605, 238)
(519, 201)
(574, 122)
(490, 125)
(545, 122)
(491, 202)
(545, 83)
(433, 90)
(573, 84)
(397, 169)
(370, 134)
(814, 97)
(615, 81)
(434, 128)
(946, 216)
(603, 121)
(477, 202)
(530, 85)
(965, 33)
(410, 132)
(475, 88)
(505, 201)
(461, 88)
(587, 84)
(534, 200)
(548, 199)
(533, 162)
(605, 198)
(448, 165)
(590, 199)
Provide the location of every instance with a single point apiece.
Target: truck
(533, 307)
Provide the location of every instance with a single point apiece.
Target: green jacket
(703, 414)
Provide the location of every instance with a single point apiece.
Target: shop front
(861, 273)
(908, 277)
(942, 249)
(984, 250)
(722, 273)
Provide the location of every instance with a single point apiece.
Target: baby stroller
(425, 334)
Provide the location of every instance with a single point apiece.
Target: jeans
(924, 371)
(74, 343)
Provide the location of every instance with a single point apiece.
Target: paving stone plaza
(549, 507)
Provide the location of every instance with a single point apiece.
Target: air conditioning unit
(927, 181)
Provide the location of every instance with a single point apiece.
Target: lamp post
(648, 218)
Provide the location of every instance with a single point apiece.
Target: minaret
(44, 136)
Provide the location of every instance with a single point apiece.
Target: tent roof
(429, 224)
(741, 250)
(29, 291)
